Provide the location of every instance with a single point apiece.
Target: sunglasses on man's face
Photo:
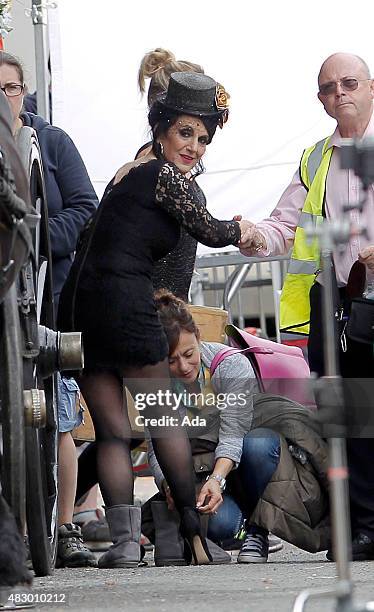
(348, 84)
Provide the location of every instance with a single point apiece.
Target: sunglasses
(347, 84)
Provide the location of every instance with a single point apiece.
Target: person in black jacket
(71, 202)
(70, 195)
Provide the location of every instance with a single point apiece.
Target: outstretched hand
(251, 241)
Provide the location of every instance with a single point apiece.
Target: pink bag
(280, 369)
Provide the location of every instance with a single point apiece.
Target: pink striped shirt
(343, 187)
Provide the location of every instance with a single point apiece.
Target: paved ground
(272, 587)
(260, 588)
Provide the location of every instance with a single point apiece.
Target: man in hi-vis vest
(320, 188)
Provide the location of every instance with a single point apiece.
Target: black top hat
(195, 94)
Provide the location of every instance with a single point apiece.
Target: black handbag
(360, 310)
(360, 325)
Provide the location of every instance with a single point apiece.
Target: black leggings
(103, 393)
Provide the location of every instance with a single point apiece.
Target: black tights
(103, 393)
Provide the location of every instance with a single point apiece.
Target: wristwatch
(220, 479)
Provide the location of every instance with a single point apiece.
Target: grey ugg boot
(169, 544)
(124, 525)
(219, 556)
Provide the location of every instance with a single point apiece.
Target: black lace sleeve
(174, 193)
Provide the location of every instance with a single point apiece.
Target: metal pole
(241, 321)
(238, 277)
(39, 19)
(261, 306)
(338, 472)
(215, 281)
(196, 289)
(328, 311)
(276, 277)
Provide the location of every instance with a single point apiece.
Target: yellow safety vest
(305, 256)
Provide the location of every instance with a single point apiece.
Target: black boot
(169, 544)
(124, 524)
(196, 549)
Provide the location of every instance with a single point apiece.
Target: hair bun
(164, 297)
(175, 317)
(152, 62)
(158, 65)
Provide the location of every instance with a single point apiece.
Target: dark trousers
(356, 363)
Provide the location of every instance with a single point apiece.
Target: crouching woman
(233, 464)
(258, 457)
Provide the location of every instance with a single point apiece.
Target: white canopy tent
(266, 54)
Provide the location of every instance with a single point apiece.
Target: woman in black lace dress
(175, 270)
(109, 297)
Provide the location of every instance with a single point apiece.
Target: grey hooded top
(234, 376)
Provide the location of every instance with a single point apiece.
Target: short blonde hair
(158, 65)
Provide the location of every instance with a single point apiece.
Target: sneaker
(362, 549)
(231, 545)
(71, 552)
(18, 597)
(234, 544)
(96, 534)
(255, 548)
(86, 516)
(275, 543)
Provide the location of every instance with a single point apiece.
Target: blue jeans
(260, 458)
(68, 416)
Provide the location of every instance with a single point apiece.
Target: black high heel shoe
(196, 548)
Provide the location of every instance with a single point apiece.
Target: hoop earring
(198, 169)
(160, 149)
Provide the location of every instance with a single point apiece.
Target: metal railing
(229, 291)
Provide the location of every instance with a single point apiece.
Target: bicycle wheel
(41, 444)
(12, 409)
(41, 465)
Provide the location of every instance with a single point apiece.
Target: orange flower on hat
(222, 98)
(222, 103)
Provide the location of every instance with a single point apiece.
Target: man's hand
(211, 492)
(252, 241)
(367, 257)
